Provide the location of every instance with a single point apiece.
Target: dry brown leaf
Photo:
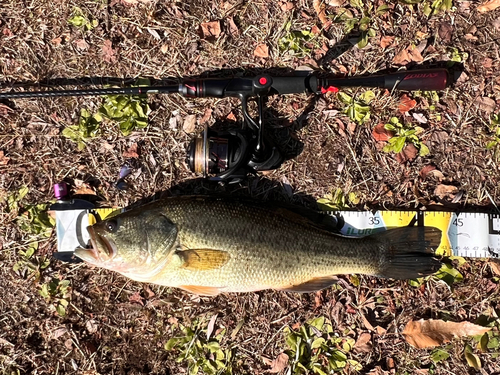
(436, 174)
(488, 6)
(319, 7)
(378, 371)
(425, 170)
(336, 3)
(210, 30)
(445, 31)
(211, 326)
(363, 343)
(108, 53)
(206, 115)
(82, 188)
(406, 104)
(136, 298)
(409, 153)
(56, 41)
(428, 333)
(232, 28)
(486, 104)
(287, 6)
(165, 48)
(496, 24)
(189, 123)
(279, 363)
(81, 44)
(4, 160)
(131, 152)
(231, 116)
(487, 62)
(261, 50)
(380, 133)
(4, 110)
(402, 58)
(443, 191)
(495, 267)
(386, 41)
(408, 55)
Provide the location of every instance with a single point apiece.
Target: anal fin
(312, 285)
(201, 290)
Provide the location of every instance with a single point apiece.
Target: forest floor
(61, 318)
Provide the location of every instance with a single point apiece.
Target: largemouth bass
(208, 245)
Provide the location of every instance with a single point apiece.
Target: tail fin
(408, 253)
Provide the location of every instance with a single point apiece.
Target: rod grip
(418, 80)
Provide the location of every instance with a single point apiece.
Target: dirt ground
(111, 325)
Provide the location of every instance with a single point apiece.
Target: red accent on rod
(329, 89)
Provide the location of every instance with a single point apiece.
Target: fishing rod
(233, 154)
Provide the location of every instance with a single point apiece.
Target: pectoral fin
(312, 285)
(201, 290)
(203, 259)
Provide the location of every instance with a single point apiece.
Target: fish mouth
(101, 248)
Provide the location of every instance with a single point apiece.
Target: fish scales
(266, 248)
(210, 245)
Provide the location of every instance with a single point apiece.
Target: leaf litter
(134, 334)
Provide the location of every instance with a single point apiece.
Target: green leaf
(382, 9)
(29, 252)
(78, 21)
(354, 279)
(213, 346)
(416, 283)
(439, 354)
(356, 3)
(472, 359)
(483, 342)
(424, 150)
(427, 9)
(318, 323)
(194, 370)
(363, 40)
(367, 96)
(493, 342)
(291, 340)
(449, 274)
(344, 98)
(44, 291)
(491, 144)
(317, 343)
(348, 344)
(364, 23)
(399, 143)
(318, 370)
(61, 310)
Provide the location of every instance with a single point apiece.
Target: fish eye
(111, 226)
